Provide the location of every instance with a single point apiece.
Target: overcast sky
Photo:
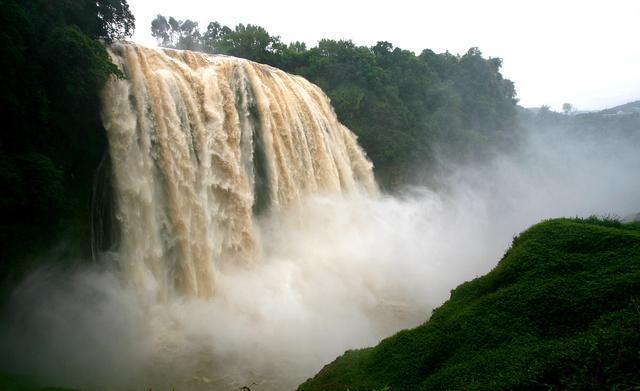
(583, 52)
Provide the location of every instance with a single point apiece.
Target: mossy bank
(561, 310)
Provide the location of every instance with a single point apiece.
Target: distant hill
(621, 121)
(627, 108)
(561, 310)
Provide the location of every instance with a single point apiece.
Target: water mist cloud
(335, 273)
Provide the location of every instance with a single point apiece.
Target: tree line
(406, 109)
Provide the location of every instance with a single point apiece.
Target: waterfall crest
(199, 145)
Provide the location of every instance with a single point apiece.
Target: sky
(582, 52)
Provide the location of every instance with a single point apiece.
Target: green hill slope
(560, 311)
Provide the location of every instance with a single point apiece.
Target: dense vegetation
(560, 311)
(401, 105)
(54, 64)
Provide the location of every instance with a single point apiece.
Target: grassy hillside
(560, 311)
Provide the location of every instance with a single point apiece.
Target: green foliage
(559, 311)
(43, 188)
(54, 66)
(106, 19)
(23, 383)
(245, 41)
(405, 109)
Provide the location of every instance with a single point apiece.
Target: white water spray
(198, 143)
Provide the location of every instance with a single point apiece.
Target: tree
(115, 20)
(160, 31)
(176, 34)
(567, 108)
(189, 36)
(110, 20)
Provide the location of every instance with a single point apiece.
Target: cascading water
(231, 182)
(201, 143)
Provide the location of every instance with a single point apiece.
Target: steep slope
(631, 107)
(560, 310)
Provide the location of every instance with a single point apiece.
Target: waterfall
(199, 146)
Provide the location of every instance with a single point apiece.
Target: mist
(334, 273)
